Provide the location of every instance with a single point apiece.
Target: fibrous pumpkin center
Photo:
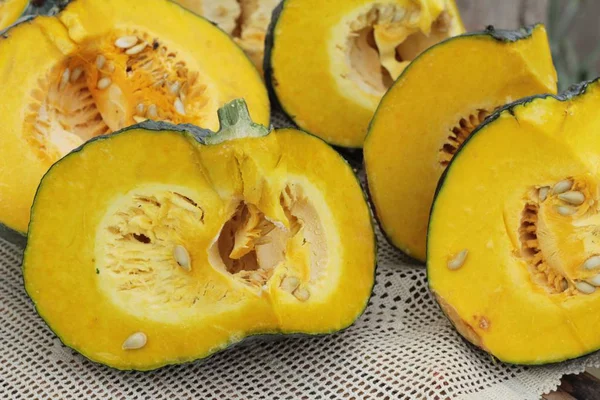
(560, 236)
(110, 83)
(250, 247)
(383, 39)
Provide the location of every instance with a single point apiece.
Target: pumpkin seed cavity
(111, 83)
(560, 240)
(459, 133)
(381, 40)
(250, 247)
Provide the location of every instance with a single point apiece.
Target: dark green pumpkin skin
(497, 34)
(573, 92)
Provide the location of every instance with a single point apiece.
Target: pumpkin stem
(235, 123)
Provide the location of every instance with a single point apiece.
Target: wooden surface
(576, 387)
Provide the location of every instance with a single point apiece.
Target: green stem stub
(235, 123)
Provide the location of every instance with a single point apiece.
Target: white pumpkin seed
(543, 193)
(125, 42)
(592, 263)
(289, 283)
(584, 287)
(77, 72)
(103, 83)
(110, 67)
(182, 257)
(66, 75)
(595, 280)
(565, 211)
(139, 119)
(564, 285)
(458, 260)
(179, 107)
(572, 197)
(100, 60)
(152, 111)
(255, 276)
(174, 88)
(140, 108)
(562, 186)
(302, 294)
(135, 341)
(137, 49)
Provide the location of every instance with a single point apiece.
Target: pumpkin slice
(246, 21)
(433, 107)
(163, 244)
(10, 11)
(328, 63)
(99, 66)
(513, 250)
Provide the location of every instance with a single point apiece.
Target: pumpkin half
(10, 11)
(183, 242)
(328, 63)
(246, 21)
(102, 65)
(433, 107)
(513, 250)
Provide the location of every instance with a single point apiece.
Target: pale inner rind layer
(250, 256)
(371, 46)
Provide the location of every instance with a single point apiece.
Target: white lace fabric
(402, 347)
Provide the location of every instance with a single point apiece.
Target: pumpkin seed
(66, 75)
(136, 49)
(302, 294)
(182, 257)
(562, 186)
(139, 119)
(565, 211)
(584, 287)
(255, 276)
(140, 108)
(135, 341)
(76, 74)
(595, 281)
(100, 60)
(572, 197)
(458, 260)
(152, 111)
(103, 83)
(592, 263)
(125, 42)
(174, 88)
(179, 107)
(289, 283)
(543, 193)
(564, 285)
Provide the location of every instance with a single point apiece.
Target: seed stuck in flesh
(592, 263)
(289, 283)
(543, 193)
(126, 42)
(137, 49)
(139, 119)
(562, 186)
(77, 72)
(65, 78)
(565, 211)
(135, 341)
(584, 287)
(152, 111)
(572, 197)
(104, 83)
(140, 108)
(458, 260)
(182, 257)
(179, 106)
(302, 294)
(174, 88)
(595, 280)
(100, 60)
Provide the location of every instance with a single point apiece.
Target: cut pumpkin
(513, 250)
(433, 107)
(182, 242)
(10, 11)
(328, 63)
(246, 21)
(102, 65)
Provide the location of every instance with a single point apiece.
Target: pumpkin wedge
(10, 11)
(433, 107)
(513, 254)
(328, 63)
(247, 21)
(102, 65)
(182, 242)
